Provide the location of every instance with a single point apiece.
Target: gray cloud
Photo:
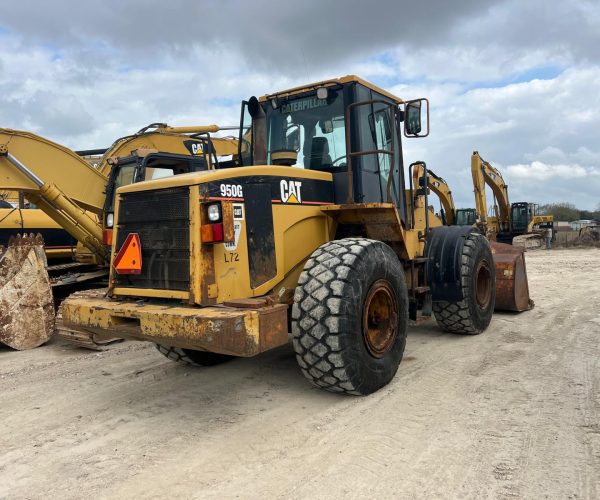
(300, 36)
(85, 73)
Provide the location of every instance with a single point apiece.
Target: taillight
(107, 237)
(212, 233)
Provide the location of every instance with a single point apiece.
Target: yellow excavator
(18, 215)
(517, 223)
(315, 232)
(79, 198)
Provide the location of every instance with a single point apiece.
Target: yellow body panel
(333, 81)
(221, 175)
(220, 272)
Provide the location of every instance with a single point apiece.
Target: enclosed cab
(525, 219)
(466, 217)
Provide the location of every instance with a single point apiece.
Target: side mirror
(415, 121)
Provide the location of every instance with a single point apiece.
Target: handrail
(351, 154)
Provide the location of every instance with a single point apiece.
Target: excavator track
(26, 303)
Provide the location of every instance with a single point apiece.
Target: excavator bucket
(26, 303)
(512, 288)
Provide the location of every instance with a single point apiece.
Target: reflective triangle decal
(129, 258)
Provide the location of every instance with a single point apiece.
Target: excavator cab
(521, 214)
(144, 166)
(466, 217)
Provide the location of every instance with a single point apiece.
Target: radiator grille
(161, 218)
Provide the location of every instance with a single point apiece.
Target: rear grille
(161, 218)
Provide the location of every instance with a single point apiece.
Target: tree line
(569, 212)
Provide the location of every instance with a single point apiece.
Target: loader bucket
(26, 303)
(512, 288)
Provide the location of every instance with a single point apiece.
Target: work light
(214, 212)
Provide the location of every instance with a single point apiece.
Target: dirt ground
(514, 412)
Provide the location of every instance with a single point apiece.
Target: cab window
(312, 127)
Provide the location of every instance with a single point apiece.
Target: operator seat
(320, 159)
(319, 155)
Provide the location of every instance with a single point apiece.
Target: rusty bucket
(512, 288)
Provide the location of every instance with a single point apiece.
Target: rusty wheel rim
(380, 318)
(483, 284)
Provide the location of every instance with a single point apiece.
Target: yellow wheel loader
(316, 232)
(78, 198)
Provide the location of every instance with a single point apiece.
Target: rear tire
(473, 313)
(350, 316)
(192, 357)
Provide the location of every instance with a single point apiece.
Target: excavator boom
(485, 174)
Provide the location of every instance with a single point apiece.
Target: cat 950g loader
(317, 233)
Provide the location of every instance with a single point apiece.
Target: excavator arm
(192, 140)
(58, 181)
(483, 173)
(440, 187)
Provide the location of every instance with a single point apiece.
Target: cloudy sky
(517, 80)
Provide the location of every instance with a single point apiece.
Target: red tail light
(107, 236)
(218, 232)
(212, 233)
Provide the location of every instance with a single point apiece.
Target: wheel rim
(483, 284)
(380, 318)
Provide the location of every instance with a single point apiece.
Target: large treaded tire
(339, 280)
(471, 315)
(191, 357)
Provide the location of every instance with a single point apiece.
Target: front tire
(473, 313)
(350, 316)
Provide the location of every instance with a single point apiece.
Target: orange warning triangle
(292, 199)
(129, 258)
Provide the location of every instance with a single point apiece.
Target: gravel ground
(513, 412)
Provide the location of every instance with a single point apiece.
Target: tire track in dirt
(510, 413)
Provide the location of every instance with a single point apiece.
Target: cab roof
(333, 81)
